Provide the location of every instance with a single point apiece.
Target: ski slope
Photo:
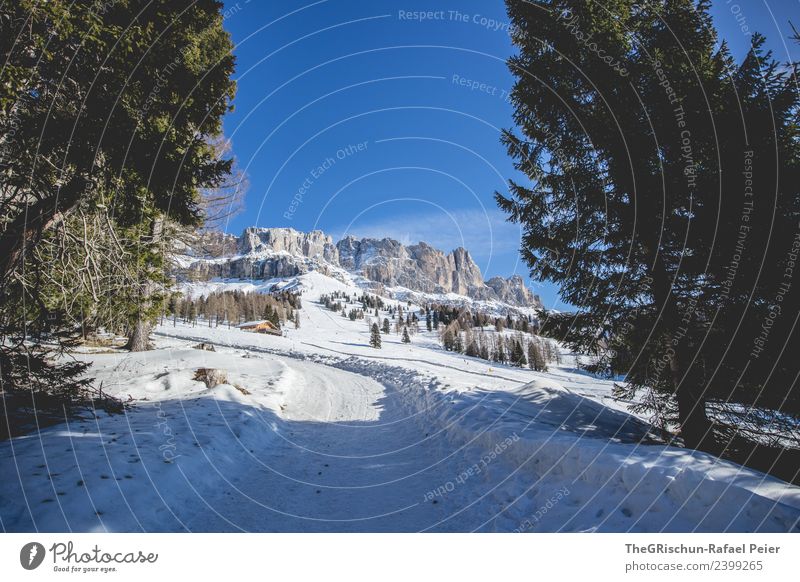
(316, 431)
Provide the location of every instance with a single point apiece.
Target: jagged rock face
(348, 248)
(314, 245)
(248, 268)
(513, 290)
(266, 253)
(419, 267)
(288, 253)
(467, 277)
(210, 245)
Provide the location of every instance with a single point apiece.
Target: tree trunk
(695, 427)
(694, 422)
(139, 340)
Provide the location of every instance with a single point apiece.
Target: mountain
(380, 264)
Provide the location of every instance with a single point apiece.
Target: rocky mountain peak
(513, 290)
(284, 252)
(315, 244)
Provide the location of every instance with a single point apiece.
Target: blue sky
(358, 118)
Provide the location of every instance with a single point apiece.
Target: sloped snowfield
(316, 431)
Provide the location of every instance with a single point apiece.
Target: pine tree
(458, 342)
(657, 139)
(375, 337)
(447, 340)
(484, 348)
(274, 318)
(386, 325)
(101, 158)
(536, 358)
(500, 352)
(518, 354)
(406, 339)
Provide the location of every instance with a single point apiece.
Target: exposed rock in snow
(211, 377)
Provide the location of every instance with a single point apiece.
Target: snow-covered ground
(316, 431)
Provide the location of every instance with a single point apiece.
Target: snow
(490, 307)
(198, 289)
(317, 431)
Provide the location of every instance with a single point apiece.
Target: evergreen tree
(173, 305)
(536, 358)
(375, 336)
(448, 341)
(518, 354)
(275, 318)
(652, 136)
(386, 325)
(406, 339)
(500, 352)
(458, 342)
(96, 138)
(483, 349)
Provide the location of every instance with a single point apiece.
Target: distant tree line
(517, 349)
(337, 300)
(234, 307)
(438, 314)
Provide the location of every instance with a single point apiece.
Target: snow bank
(614, 481)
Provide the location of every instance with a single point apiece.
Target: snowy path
(350, 458)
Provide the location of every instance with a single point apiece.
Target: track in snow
(349, 457)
